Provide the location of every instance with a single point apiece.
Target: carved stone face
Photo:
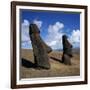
(40, 49)
(67, 47)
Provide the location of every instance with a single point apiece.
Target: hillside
(28, 70)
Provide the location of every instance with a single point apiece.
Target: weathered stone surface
(40, 49)
(66, 59)
(67, 51)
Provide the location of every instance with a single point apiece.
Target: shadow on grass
(58, 60)
(27, 63)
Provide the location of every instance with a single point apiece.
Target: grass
(57, 68)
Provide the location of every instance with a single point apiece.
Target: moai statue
(40, 49)
(67, 51)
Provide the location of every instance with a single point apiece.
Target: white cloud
(52, 43)
(26, 45)
(56, 27)
(75, 37)
(25, 22)
(38, 23)
(25, 39)
(25, 31)
(54, 37)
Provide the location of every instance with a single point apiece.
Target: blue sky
(52, 26)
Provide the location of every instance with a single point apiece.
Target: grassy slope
(57, 68)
